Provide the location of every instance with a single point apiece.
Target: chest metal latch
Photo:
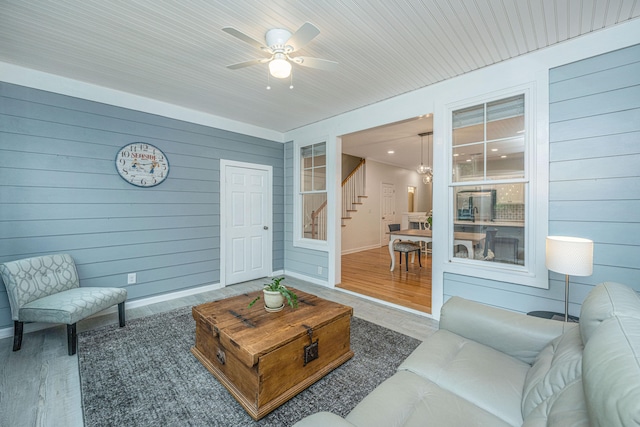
(311, 350)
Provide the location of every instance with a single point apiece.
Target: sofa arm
(323, 419)
(515, 334)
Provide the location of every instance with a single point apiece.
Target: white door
(246, 215)
(388, 209)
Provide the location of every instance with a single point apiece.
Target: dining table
(467, 239)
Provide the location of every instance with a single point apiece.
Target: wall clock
(142, 164)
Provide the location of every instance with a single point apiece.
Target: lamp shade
(569, 255)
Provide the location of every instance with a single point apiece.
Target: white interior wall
(364, 231)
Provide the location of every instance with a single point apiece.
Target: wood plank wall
(60, 192)
(299, 261)
(594, 188)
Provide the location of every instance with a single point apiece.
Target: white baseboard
(388, 304)
(32, 327)
(364, 248)
(170, 296)
(309, 279)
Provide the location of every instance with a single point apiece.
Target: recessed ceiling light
(494, 149)
(503, 157)
(468, 160)
(390, 152)
(456, 155)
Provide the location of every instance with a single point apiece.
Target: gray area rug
(145, 375)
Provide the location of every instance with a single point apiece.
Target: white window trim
(298, 239)
(534, 272)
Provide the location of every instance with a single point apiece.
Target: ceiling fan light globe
(280, 68)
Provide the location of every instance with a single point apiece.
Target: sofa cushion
(522, 337)
(72, 305)
(486, 378)
(409, 400)
(611, 372)
(565, 408)
(606, 300)
(558, 366)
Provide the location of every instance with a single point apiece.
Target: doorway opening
(411, 193)
(394, 194)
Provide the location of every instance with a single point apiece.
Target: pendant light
(425, 170)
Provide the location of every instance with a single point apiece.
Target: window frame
(533, 272)
(298, 236)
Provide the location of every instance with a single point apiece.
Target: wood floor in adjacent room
(367, 273)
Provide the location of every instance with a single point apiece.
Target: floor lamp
(569, 256)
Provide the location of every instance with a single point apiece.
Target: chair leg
(17, 335)
(420, 257)
(121, 314)
(406, 260)
(72, 339)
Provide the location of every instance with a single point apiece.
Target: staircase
(353, 191)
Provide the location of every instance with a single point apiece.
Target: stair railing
(352, 187)
(319, 222)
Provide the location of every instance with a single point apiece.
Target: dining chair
(423, 224)
(506, 249)
(405, 246)
(489, 241)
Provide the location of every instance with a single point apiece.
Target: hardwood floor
(367, 273)
(40, 384)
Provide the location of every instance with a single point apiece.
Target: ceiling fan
(280, 44)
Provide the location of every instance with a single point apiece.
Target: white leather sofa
(490, 367)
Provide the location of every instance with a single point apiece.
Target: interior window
(313, 191)
(489, 181)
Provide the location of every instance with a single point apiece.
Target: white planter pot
(273, 301)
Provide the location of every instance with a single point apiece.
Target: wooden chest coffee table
(264, 359)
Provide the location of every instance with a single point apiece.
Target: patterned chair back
(30, 279)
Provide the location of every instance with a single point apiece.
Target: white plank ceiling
(175, 51)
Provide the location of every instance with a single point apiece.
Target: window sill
(316, 245)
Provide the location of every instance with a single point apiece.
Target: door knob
(265, 227)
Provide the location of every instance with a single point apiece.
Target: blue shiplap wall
(594, 188)
(300, 261)
(60, 192)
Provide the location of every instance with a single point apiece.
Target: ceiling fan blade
(245, 38)
(246, 64)
(304, 35)
(320, 64)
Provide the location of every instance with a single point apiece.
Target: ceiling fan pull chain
(268, 80)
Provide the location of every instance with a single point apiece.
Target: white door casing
(246, 236)
(388, 210)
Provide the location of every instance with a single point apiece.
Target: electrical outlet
(131, 279)
(319, 270)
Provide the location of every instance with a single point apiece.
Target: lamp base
(553, 316)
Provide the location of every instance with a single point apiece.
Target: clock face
(142, 164)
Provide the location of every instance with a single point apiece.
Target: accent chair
(47, 289)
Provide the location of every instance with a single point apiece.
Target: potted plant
(275, 294)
